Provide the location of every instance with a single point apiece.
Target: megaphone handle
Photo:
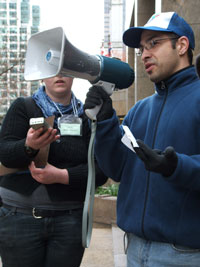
(108, 88)
(91, 113)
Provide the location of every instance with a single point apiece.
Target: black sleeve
(13, 135)
(78, 176)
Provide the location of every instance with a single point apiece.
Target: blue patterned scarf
(49, 108)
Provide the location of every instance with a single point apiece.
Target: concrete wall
(104, 209)
(190, 11)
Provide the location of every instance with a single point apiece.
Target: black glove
(157, 161)
(96, 96)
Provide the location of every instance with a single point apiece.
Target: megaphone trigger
(106, 86)
(92, 113)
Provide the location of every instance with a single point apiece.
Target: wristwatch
(31, 152)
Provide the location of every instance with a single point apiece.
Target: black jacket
(70, 153)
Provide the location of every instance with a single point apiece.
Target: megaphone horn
(49, 54)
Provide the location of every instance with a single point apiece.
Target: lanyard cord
(90, 191)
(87, 218)
(74, 106)
(56, 106)
(75, 111)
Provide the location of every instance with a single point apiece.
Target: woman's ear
(42, 83)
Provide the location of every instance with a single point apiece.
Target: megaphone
(49, 54)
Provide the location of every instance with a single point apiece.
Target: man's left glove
(96, 96)
(157, 161)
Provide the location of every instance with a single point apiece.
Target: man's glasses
(151, 44)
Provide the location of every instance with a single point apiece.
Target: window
(13, 30)
(23, 38)
(13, 38)
(3, 30)
(3, 22)
(14, 70)
(34, 30)
(13, 46)
(13, 22)
(4, 38)
(23, 30)
(3, 14)
(2, 5)
(13, 14)
(23, 46)
(3, 54)
(13, 55)
(13, 5)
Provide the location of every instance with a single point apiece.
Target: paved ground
(100, 251)
(106, 248)
(118, 246)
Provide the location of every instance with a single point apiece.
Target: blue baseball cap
(164, 22)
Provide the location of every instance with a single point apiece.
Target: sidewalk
(106, 248)
(100, 251)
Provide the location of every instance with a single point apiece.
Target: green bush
(111, 190)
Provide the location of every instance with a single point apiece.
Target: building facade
(114, 25)
(18, 21)
(115, 17)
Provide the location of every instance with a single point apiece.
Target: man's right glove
(157, 161)
(96, 96)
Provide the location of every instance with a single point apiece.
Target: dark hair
(189, 52)
(190, 55)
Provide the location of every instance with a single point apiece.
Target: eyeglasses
(151, 44)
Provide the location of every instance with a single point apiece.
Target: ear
(182, 45)
(41, 82)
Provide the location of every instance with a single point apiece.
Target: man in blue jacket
(159, 195)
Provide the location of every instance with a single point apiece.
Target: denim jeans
(46, 242)
(143, 253)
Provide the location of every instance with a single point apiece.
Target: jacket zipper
(163, 87)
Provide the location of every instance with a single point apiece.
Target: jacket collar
(177, 80)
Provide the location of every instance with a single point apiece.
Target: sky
(83, 24)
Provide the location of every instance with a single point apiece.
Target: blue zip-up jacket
(150, 205)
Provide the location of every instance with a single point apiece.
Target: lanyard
(75, 111)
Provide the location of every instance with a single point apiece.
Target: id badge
(70, 124)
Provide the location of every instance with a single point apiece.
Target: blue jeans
(143, 253)
(47, 242)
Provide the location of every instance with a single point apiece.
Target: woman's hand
(36, 139)
(49, 174)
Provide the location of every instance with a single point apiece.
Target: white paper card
(128, 139)
(70, 129)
